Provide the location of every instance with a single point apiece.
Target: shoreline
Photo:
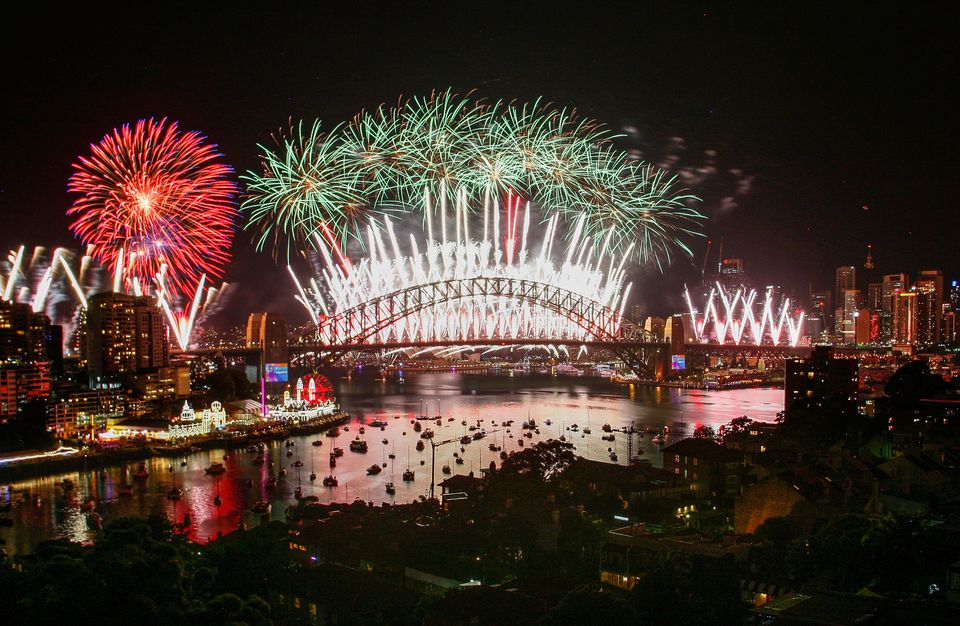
(92, 461)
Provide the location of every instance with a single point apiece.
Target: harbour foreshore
(94, 459)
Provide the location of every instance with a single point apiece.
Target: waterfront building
(851, 304)
(821, 378)
(655, 326)
(84, 413)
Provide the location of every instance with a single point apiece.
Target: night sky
(807, 132)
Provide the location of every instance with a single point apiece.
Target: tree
(704, 432)
(589, 606)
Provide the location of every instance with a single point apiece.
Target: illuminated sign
(275, 372)
(678, 362)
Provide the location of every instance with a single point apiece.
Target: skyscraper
(268, 331)
(929, 288)
(891, 286)
(851, 304)
(905, 318)
(846, 279)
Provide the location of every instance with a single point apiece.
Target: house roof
(462, 482)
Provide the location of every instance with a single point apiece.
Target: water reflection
(46, 510)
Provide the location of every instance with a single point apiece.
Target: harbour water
(41, 509)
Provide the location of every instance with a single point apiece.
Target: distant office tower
(820, 379)
(929, 288)
(868, 263)
(955, 295)
(875, 296)
(820, 315)
(655, 326)
(124, 334)
(846, 279)
(268, 331)
(674, 333)
(905, 318)
(851, 304)
(867, 326)
(891, 286)
(732, 273)
(948, 327)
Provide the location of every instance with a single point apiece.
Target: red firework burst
(153, 196)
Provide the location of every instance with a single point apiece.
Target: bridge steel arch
(359, 323)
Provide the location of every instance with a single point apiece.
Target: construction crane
(433, 455)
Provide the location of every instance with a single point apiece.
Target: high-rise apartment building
(124, 334)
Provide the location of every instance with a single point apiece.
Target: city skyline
(791, 180)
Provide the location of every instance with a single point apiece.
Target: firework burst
(155, 200)
(446, 146)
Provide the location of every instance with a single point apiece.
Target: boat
(408, 475)
(479, 435)
(378, 423)
(362, 430)
(313, 476)
(67, 484)
(261, 507)
(338, 452)
(358, 445)
(330, 481)
(297, 463)
(392, 455)
(465, 440)
(384, 442)
(215, 468)
(417, 427)
(317, 442)
(528, 435)
(606, 428)
(445, 469)
(427, 434)
(333, 461)
(586, 430)
(141, 472)
(217, 500)
(333, 432)
(283, 472)
(613, 456)
(420, 446)
(459, 460)
(183, 463)
(298, 493)
(374, 469)
(390, 488)
(289, 452)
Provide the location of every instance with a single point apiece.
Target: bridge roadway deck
(690, 348)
